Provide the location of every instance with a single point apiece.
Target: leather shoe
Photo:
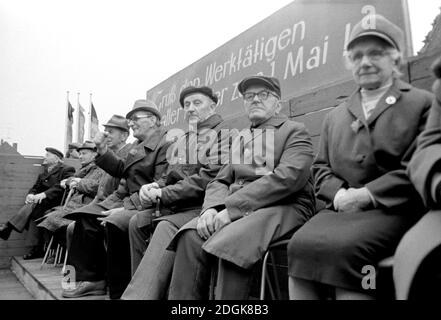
(86, 288)
(36, 252)
(5, 231)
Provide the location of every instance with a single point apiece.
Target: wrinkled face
(115, 137)
(50, 159)
(198, 107)
(371, 64)
(86, 156)
(260, 104)
(141, 122)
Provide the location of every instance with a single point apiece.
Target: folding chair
(58, 252)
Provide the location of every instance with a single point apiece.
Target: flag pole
(78, 117)
(90, 116)
(66, 122)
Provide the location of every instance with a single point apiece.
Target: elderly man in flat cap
(181, 192)
(83, 187)
(144, 164)
(256, 199)
(45, 194)
(360, 173)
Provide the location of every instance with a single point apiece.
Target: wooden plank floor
(11, 288)
(44, 283)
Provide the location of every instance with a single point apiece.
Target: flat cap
(56, 152)
(144, 105)
(269, 82)
(119, 122)
(207, 91)
(88, 145)
(73, 145)
(378, 26)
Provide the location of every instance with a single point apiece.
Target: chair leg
(263, 277)
(275, 277)
(47, 252)
(56, 255)
(63, 270)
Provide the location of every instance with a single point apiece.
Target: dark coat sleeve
(327, 183)
(56, 190)
(37, 185)
(110, 163)
(424, 168)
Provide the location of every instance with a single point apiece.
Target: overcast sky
(116, 50)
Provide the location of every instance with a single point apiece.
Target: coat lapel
(137, 153)
(389, 99)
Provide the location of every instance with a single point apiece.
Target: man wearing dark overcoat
(144, 164)
(45, 194)
(195, 160)
(261, 196)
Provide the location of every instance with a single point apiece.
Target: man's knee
(133, 224)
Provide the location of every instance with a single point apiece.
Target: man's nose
(365, 61)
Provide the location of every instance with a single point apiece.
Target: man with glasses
(258, 198)
(144, 164)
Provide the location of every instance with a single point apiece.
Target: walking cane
(71, 191)
(157, 213)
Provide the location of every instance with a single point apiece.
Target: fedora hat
(144, 105)
(119, 122)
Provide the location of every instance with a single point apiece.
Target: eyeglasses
(136, 118)
(372, 55)
(262, 95)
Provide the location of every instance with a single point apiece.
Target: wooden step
(43, 283)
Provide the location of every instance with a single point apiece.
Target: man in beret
(253, 201)
(145, 163)
(45, 194)
(180, 192)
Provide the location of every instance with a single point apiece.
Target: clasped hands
(352, 199)
(35, 198)
(211, 221)
(149, 193)
(71, 182)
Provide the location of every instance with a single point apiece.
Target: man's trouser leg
(233, 282)
(191, 270)
(87, 253)
(151, 279)
(118, 260)
(138, 237)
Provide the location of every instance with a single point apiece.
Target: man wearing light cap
(145, 163)
(195, 159)
(44, 195)
(360, 173)
(251, 202)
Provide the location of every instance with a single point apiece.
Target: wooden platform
(11, 288)
(42, 283)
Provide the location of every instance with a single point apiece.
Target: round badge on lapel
(391, 100)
